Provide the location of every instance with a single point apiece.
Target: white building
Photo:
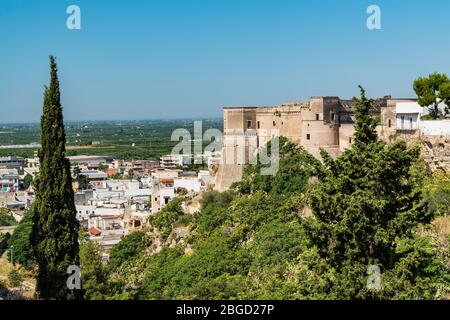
(435, 127)
(189, 183)
(212, 158)
(9, 180)
(96, 178)
(122, 185)
(83, 212)
(204, 176)
(174, 160)
(408, 116)
(408, 119)
(165, 173)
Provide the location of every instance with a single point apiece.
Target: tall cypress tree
(55, 227)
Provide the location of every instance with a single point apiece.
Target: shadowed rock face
(436, 152)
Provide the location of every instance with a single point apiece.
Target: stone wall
(322, 122)
(435, 149)
(436, 152)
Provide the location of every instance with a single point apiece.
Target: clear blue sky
(171, 59)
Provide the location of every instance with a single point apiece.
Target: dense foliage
(20, 243)
(170, 216)
(15, 279)
(93, 272)
(371, 224)
(130, 246)
(431, 91)
(151, 138)
(367, 205)
(55, 227)
(6, 219)
(437, 193)
(312, 231)
(27, 181)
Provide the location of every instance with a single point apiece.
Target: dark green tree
(130, 174)
(55, 227)
(6, 218)
(364, 202)
(93, 273)
(27, 180)
(15, 279)
(130, 246)
(76, 172)
(431, 91)
(20, 245)
(83, 182)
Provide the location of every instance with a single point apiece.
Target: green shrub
(15, 279)
(129, 247)
(20, 244)
(6, 219)
(165, 219)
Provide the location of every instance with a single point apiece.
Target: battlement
(323, 122)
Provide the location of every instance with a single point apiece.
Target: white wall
(138, 193)
(410, 121)
(188, 184)
(165, 174)
(435, 127)
(408, 107)
(166, 192)
(204, 176)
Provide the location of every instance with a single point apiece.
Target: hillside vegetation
(372, 224)
(373, 209)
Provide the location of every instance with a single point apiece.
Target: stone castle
(322, 122)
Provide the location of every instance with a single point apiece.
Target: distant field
(87, 147)
(119, 139)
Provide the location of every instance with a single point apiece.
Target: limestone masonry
(327, 123)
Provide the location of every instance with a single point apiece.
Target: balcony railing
(407, 131)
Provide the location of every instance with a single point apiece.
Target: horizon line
(116, 120)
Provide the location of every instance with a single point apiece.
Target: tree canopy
(432, 91)
(55, 227)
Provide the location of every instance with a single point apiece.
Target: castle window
(332, 116)
(274, 123)
(317, 116)
(249, 124)
(389, 123)
(308, 136)
(258, 124)
(350, 140)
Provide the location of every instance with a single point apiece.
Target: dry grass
(5, 269)
(442, 226)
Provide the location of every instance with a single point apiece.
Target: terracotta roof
(94, 231)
